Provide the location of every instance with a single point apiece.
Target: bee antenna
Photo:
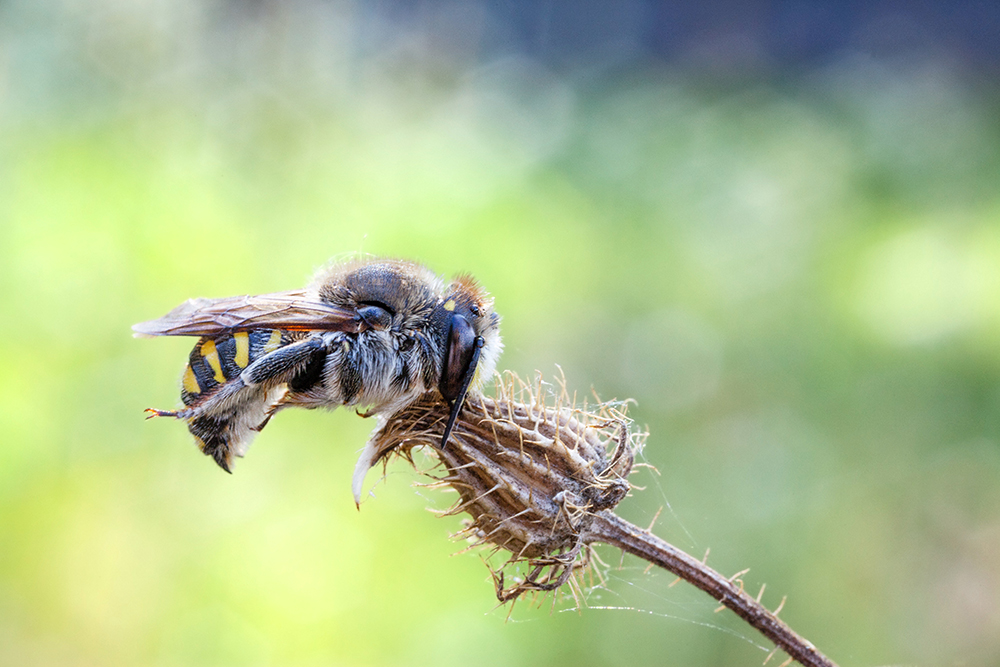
(470, 372)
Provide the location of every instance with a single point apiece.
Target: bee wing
(279, 310)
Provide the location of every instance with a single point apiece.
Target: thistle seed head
(529, 474)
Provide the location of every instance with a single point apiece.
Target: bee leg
(284, 363)
(224, 426)
(153, 412)
(260, 427)
(224, 422)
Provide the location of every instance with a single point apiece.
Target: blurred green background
(778, 231)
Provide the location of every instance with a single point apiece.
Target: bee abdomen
(215, 361)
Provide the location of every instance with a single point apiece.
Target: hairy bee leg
(282, 364)
(153, 412)
(219, 421)
(224, 424)
(271, 411)
(260, 427)
(211, 404)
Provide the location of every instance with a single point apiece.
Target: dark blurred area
(729, 39)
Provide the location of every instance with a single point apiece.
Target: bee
(370, 333)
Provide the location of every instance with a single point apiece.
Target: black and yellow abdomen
(216, 361)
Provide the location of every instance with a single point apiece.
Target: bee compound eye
(375, 315)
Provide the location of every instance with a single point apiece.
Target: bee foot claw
(153, 412)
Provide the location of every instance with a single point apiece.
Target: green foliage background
(797, 280)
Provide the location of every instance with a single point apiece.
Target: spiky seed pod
(530, 476)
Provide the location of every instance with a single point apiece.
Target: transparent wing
(279, 310)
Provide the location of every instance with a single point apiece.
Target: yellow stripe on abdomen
(273, 343)
(211, 355)
(189, 382)
(242, 358)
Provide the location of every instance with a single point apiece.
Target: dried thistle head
(540, 481)
(530, 475)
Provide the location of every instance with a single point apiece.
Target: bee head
(472, 343)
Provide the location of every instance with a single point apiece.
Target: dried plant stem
(611, 529)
